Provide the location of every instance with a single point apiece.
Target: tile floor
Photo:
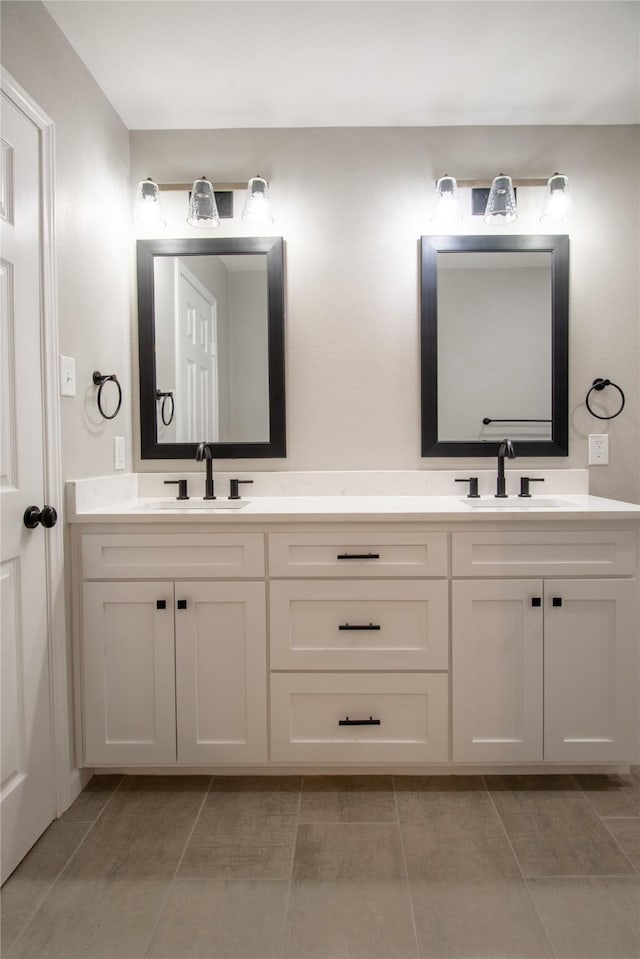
(334, 868)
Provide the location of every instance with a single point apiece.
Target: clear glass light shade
(557, 201)
(203, 210)
(501, 205)
(256, 210)
(447, 210)
(148, 208)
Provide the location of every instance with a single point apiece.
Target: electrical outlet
(118, 453)
(598, 449)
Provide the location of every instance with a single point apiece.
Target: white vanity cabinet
(173, 670)
(296, 644)
(359, 637)
(544, 669)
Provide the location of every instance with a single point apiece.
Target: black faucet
(505, 448)
(204, 452)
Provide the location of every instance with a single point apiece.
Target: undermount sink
(196, 505)
(516, 502)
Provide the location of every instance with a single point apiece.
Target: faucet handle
(182, 487)
(524, 484)
(234, 492)
(473, 486)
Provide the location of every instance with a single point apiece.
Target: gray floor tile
(350, 920)
(215, 919)
(464, 920)
(626, 833)
(419, 798)
(612, 795)
(237, 861)
(246, 830)
(590, 918)
(147, 807)
(553, 828)
(93, 798)
(100, 918)
(26, 888)
(451, 830)
(348, 852)
(348, 799)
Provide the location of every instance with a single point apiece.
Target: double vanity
(398, 631)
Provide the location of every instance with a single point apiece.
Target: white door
(196, 360)
(497, 642)
(128, 673)
(591, 670)
(221, 672)
(26, 796)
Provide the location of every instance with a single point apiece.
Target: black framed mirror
(211, 347)
(494, 344)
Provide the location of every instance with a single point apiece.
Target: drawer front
(174, 555)
(315, 717)
(544, 553)
(359, 625)
(358, 554)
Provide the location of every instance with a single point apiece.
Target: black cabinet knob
(536, 601)
(182, 604)
(47, 517)
(556, 601)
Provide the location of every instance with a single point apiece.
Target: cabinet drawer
(359, 625)
(175, 555)
(358, 554)
(544, 553)
(309, 714)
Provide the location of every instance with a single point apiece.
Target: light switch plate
(118, 453)
(598, 449)
(67, 376)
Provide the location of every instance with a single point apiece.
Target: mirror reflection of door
(196, 359)
(212, 347)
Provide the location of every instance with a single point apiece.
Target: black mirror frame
(558, 246)
(273, 247)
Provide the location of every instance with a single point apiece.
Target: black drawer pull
(358, 556)
(161, 604)
(359, 722)
(182, 604)
(370, 626)
(536, 601)
(556, 601)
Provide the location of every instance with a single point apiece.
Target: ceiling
(210, 64)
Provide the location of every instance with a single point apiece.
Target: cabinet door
(497, 671)
(221, 678)
(128, 673)
(591, 671)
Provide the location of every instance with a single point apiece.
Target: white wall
(93, 230)
(351, 205)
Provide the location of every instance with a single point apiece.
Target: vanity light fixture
(557, 201)
(203, 211)
(501, 206)
(447, 210)
(256, 210)
(208, 204)
(498, 204)
(148, 208)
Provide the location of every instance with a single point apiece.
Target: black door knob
(47, 517)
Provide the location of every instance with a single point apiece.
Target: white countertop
(389, 508)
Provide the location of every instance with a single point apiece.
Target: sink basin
(515, 502)
(196, 505)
